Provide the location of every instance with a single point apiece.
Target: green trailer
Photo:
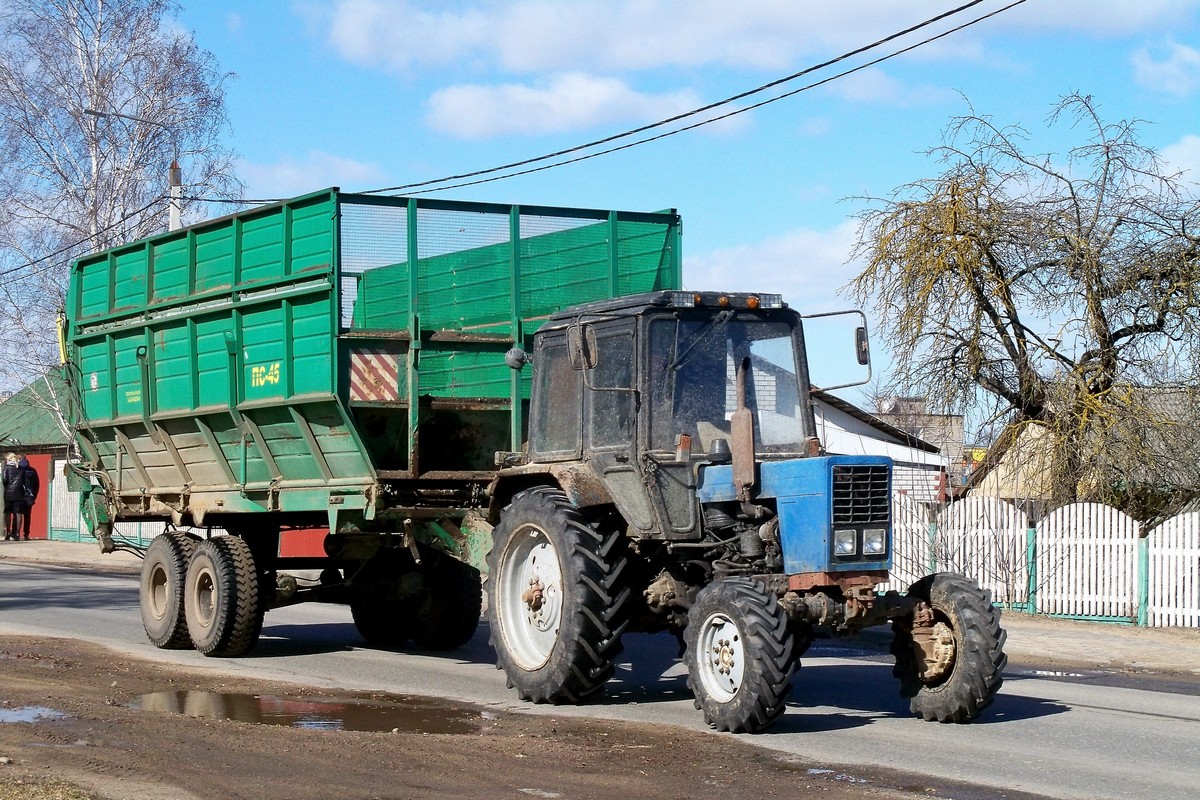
(333, 361)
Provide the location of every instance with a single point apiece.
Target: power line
(702, 123)
(708, 121)
(687, 114)
(73, 245)
(236, 201)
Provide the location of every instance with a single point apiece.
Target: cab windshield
(693, 381)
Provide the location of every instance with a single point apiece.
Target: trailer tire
(557, 598)
(381, 622)
(160, 594)
(740, 655)
(967, 686)
(221, 598)
(446, 613)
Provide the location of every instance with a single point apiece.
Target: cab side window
(557, 415)
(612, 411)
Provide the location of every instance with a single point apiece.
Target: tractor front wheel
(950, 652)
(740, 655)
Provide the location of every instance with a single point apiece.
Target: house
(1150, 446)
(31, 424)
(921, 471)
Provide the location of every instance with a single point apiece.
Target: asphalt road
(1061, 737)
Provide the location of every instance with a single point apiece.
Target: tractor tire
(740, 655)
(446, 613)
(221, 598)
(160, 595)
(965, 686)
(558, 600)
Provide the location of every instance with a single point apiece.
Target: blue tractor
(673, 480)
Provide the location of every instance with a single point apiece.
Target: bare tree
(1048, 289)
(97, 98)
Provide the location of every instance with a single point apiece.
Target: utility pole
(175, 181)
(174, 173)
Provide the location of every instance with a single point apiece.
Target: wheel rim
(158, 592)
(530, 597)
(204, 593)
(721, 659)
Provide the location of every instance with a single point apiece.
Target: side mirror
(581, 347)
(516, 358)
(862, 348)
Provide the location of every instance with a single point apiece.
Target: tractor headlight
(875, 541)
(845, 543)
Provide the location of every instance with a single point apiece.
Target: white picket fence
(66, 525)
(1175, 572)
(1087, 562)
(1083, 560)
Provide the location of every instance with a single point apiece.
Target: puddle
(29, 714)
(408, 716)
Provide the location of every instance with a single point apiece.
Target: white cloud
(1099, 18)
(1184, 155)
(561, 103)
(292, 176)
(806, 266)
(548, 35)
(624, 35)
(1177, 72)
(401, 34)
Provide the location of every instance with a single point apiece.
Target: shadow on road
(290, 639)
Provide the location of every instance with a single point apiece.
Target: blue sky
(365, 94)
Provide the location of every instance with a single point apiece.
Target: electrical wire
(436, 183)
(686, 114)
(73, 245)
(710, 120)
(236, 201)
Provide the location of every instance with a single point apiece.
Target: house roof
(845, 407)
(28, 418)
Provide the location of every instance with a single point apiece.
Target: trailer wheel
(557, 599)
(446, 613)
(221, 598)
(740, 655)
(161, 592)
(952, 667)
(383, 623)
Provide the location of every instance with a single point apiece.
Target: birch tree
(1061, 291)
(97, 98)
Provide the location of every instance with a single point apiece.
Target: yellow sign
(263, 375)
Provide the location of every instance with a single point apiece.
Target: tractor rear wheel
(557, 598)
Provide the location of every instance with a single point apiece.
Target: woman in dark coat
(33, 485)
(14, 497)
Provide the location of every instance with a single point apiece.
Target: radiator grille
(860, 495)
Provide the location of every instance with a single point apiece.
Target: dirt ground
(105, 746)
